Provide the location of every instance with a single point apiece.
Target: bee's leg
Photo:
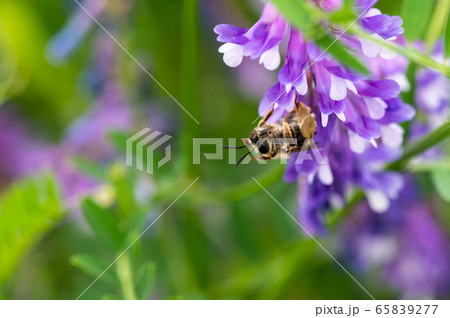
(265, 118)
(288, 141)
(302, 148)
(275, 152)
(286, 129)
(306, 121)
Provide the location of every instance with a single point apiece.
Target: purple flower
(376, 23)
(392, 68)
(432, 90)
(380, 26)
(357, 116)
(405, 244)
(292, 74)
(383, 25)
(260, 41)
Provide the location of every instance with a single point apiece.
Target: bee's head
(260, 140)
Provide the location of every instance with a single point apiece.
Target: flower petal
(324, 173)
(271, 58)
(302, 87)
(357, 143)
(338, 88)
(392, 135)
(324, 119)
(229, 33)
(378, 201)
(370, 49)
(375, 106)
(232, 54)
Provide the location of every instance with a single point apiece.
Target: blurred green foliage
(223, 240)
(28, 210)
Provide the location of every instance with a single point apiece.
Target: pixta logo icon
(147, 141)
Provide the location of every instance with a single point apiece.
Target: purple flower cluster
(357, 116)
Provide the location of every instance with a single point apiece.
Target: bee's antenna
(229, 147)
(240, 160)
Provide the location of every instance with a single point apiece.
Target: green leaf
(436, 28)
(297, 12)
(145, 281)
(28, 210)
(94, 267)
(335, 48)
(343, 16)
(103, 224)
(111, 297)
(441, 180)
(415, 15)
(346, 15)
(447, 39)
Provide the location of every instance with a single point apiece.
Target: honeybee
(279, 140)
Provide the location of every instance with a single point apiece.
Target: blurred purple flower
(432, 90)
(392, 68)
(71, 35)
(25, 155)
(432, 100)
(329, 5)
(110, 113)
(405, 244)
(21, 154)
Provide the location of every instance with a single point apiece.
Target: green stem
(189, 80)
(426, 142)
(408, 51)
(437, 23)
(124, 273)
